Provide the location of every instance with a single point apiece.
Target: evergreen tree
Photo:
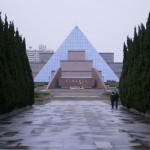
(135, 77)
(2, 60)
(16, 82)
(122, 83)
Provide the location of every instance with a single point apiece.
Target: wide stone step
(75, 98)
(76, 94)
(66, 94)
(76, 90)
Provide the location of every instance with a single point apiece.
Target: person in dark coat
(112, 98)
(116, 100)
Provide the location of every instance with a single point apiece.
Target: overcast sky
(106, 23)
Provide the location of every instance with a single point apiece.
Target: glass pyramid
(75, 41)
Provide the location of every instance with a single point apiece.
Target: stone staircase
(76, 94)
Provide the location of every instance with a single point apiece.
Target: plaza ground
(75, 125)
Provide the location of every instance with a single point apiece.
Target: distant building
(75, 41)
(36, 66)
(115, 66)
(45, 56)
(38, 58)
(39, 55)
(39, 62)
(33, 55)
(76, 73)
(108, 57)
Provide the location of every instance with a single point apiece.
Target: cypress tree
(122, 82)
(16, 82)
(9, 103)
(146, 56)
(135, 81)
(2, 60)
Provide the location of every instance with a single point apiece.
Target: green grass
(40, 94)
(107, 94)
(112, 84)
(36, 84)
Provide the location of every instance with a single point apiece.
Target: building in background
(115, 66)
(76, 73)
(42, 55)
(75, 41)
(39, 55)
(33, 55)
(38, 58)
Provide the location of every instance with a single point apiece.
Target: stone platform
(76, 94)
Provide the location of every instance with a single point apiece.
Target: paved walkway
(75, 125)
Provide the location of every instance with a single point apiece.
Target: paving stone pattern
(75, 125)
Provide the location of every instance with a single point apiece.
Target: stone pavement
(75, 125)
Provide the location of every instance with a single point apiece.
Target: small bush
(39, 94)
(112, 84)
(36, 84)
(107, 94)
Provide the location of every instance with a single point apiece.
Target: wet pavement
(75, 125)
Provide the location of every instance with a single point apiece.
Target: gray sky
(106, 23)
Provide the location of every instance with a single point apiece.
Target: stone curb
(42, 102)
(14, 112)
(136, 112)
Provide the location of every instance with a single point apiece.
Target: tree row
(134, 83)
(16, 81)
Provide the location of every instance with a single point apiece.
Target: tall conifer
(16, 82)
(134, 83)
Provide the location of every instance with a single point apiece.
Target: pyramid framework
(75, 41)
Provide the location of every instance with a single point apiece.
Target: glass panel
(75, 41)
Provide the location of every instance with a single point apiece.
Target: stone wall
(76, 55)
(71, 65)
(76, 82)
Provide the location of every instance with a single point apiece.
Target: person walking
(116, 100)
(112, 98)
